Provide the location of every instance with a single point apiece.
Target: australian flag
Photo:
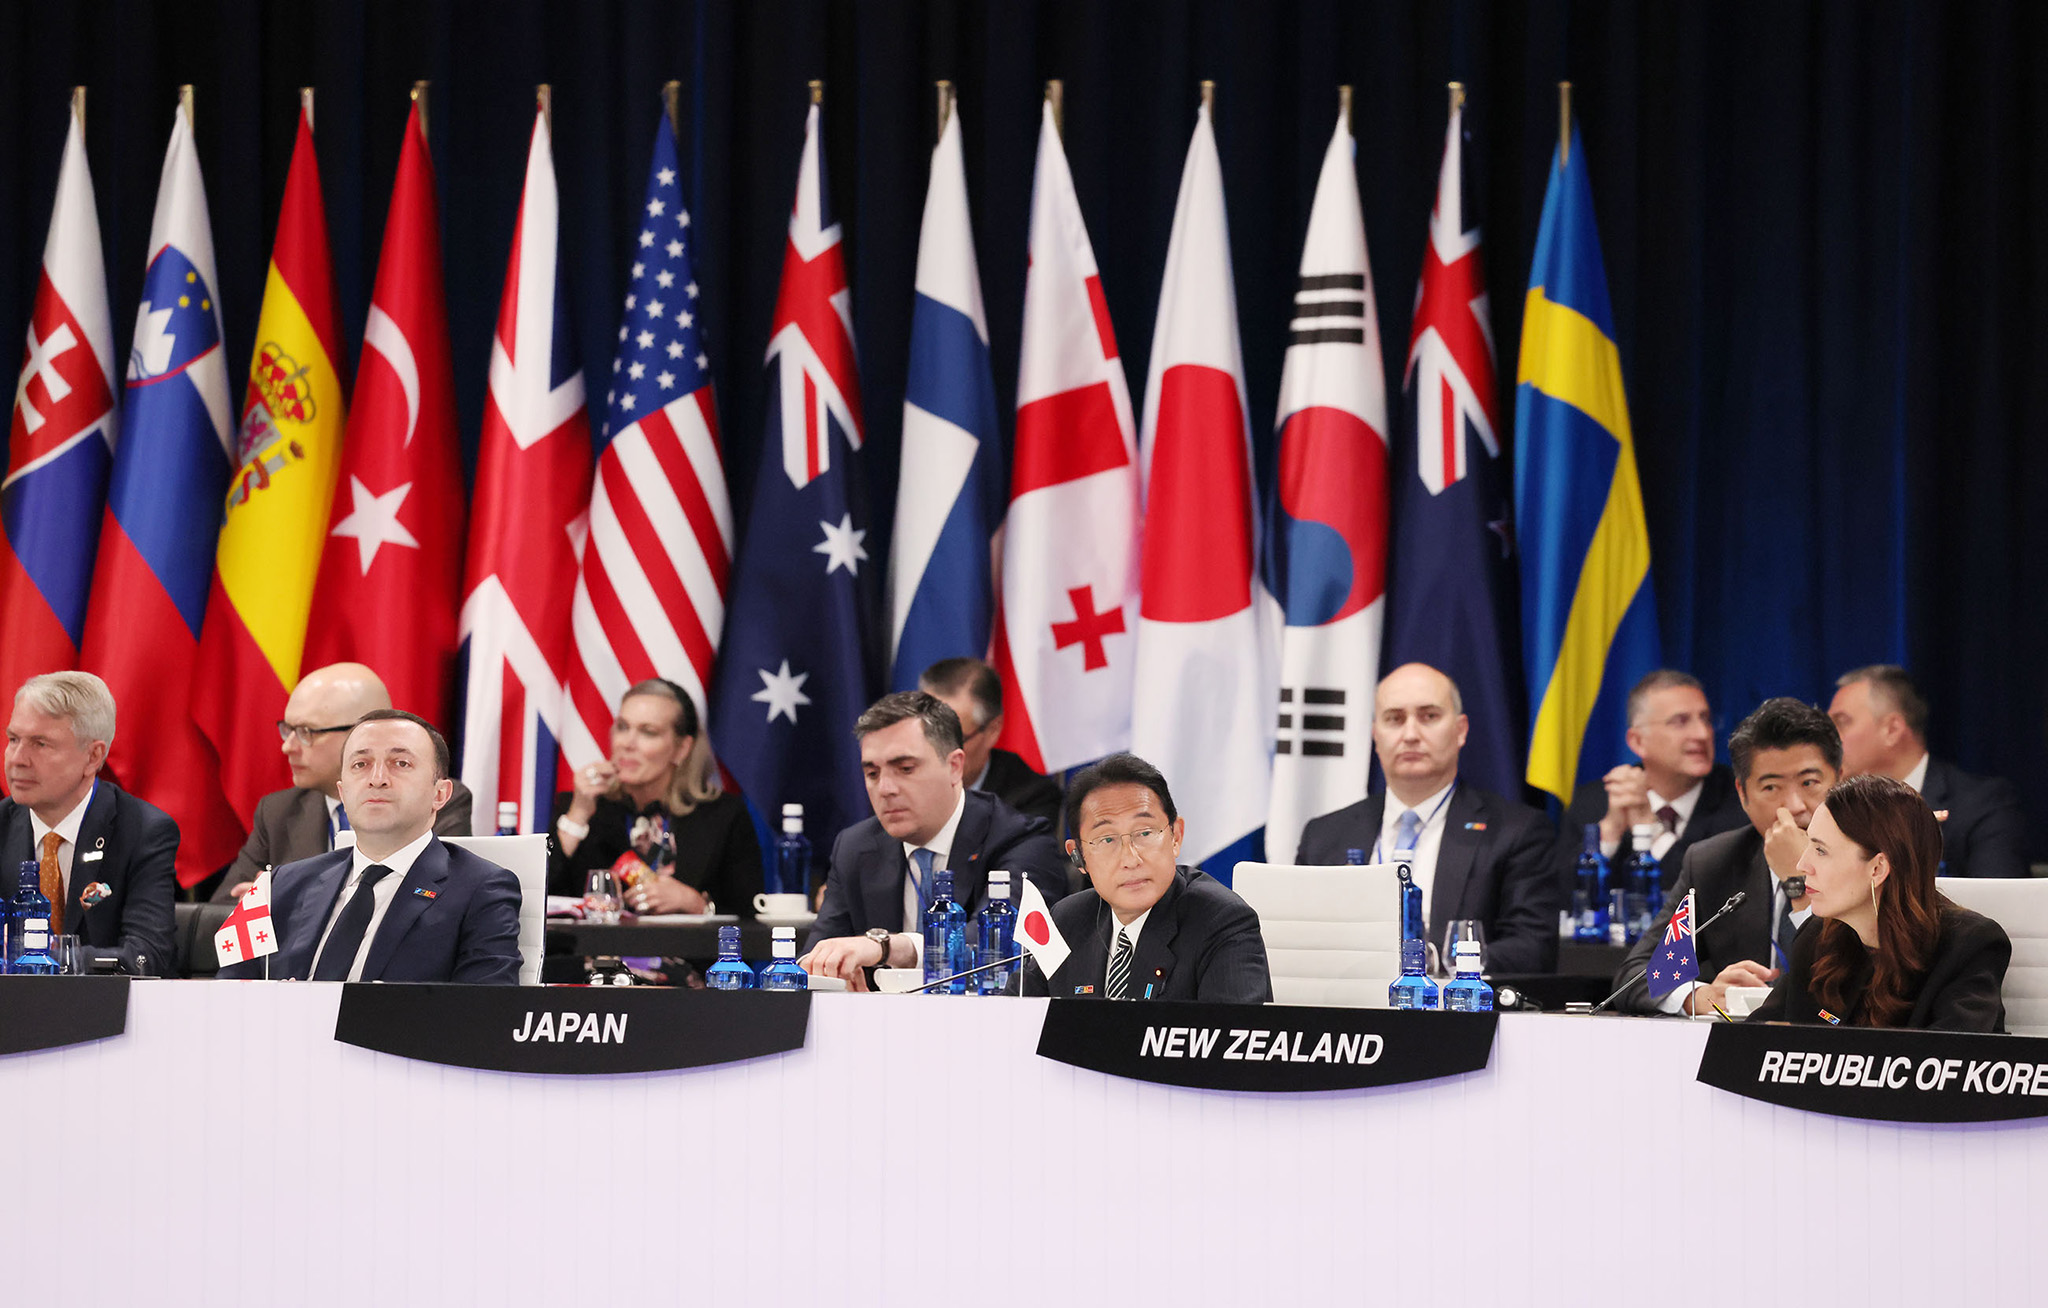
(1675, 962)
(793, 672)
(1451, 561)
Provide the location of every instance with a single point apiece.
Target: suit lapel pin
(1475, 826)
(425, 893)
(1084, 990)
(97, 852)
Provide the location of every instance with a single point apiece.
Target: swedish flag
(1589, 614)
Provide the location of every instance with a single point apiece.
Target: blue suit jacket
(864, 881)
(463, 928)
(132, 847)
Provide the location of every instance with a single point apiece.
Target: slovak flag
(395, 536)
(61, 446)
(1064, 635)
(1326, 542)
(949, 496)
(793, 673)
(1202, 709)
(247, 933)
(530, 517)
(1037, 932)
(156, 557)
(1674, 962)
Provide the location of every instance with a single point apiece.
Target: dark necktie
(1119, 986)
(1669, 817)
(339, 953)
(1785, 931)
(337, 822)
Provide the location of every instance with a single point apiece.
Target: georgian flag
(247, 933)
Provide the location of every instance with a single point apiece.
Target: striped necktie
(1119, 986)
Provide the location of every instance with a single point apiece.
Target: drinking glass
(601, 897)
(70, 959)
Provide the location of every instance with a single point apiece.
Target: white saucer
(786, 919)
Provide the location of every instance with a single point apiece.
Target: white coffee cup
(781, 905)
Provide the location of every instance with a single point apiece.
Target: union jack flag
(529, 519)
(800, 636)
(1674, 962)
(651, 598)
(1450, 351)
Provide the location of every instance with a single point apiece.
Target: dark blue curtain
(1822, 222)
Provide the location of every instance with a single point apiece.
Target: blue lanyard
(1419, 830)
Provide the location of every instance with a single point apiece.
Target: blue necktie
(336, 824)
(1409, 831)
(923, 877)
(338, 955)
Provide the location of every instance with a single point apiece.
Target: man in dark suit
(106, 858)
(926, 821)
(1677, 788)
(304, 819)
(400, 905)
(1149, 928)
(1883, 720)
(1475, 854)
(1786, 756)
(972, 690)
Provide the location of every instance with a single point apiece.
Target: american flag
(650, 601)
(1674, 962)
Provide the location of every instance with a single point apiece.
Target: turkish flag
(394, 539)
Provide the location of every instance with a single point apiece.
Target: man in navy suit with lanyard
(926, 820)
(1475, 854)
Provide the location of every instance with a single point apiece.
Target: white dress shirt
(941, 846)
(1917, 778)
(1666, 837)
(67, 830)
(1421, 861)
(381, 896)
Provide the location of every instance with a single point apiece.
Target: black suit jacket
(1033, 794)
(1960, 993)
(132, 847)
(455, 917)
(864, 881)
(1986, 831)
(1719, 809)
(1495, 865)
(1201, 942)
(291, 824)
(1716, 867)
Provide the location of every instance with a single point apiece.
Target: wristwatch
(880, 937)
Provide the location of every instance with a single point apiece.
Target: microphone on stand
(1734, 901)
(1001, 962)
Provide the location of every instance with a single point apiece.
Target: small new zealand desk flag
(1674, 963)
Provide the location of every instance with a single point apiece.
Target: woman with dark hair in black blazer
(1884, 947)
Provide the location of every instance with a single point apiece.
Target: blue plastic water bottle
(792, 855)
(1413, 988)
(1589, 892)
(1467, 992)
(945, 937)
(783, 973)
(28, 926)
(1354, 857)
(508, 817)
(996, 935)
(1651, 874)
(730, 972)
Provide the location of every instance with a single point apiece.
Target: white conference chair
(527, 858)
(2021, 907)
(1333, 934)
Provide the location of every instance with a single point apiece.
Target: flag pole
(185, 103)
(78, 107)
(1209, 96)
(1056, 96)
(1344, 107)
(544, 96)
(671, 96)
(306, 104)
(817, 90)
(1457, 97)
(1564, 123)
(419, 100)
(945, 103)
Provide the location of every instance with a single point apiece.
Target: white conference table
(919, 1144)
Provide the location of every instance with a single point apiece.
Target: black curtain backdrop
(1822, 224)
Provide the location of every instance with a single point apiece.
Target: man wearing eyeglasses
(1149, 928)
(926, 821)
(307, 818)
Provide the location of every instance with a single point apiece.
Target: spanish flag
(277, 502)
(1589, 612)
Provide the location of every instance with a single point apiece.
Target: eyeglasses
(285, 731)
(1145, 840)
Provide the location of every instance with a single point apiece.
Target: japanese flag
(247, 933)
(1036, 932)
